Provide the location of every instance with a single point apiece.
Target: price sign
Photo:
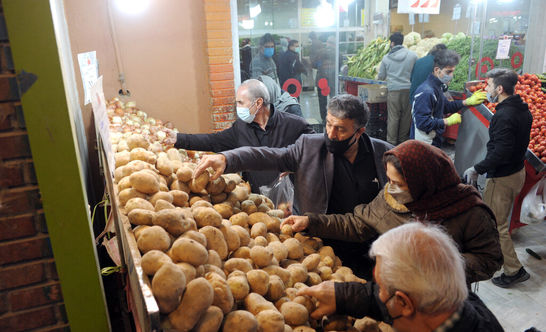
(456, 13)
(503, 48)
(98, 102)
(89, 71)
(418, 6)
(411, 19)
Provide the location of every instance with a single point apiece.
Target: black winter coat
(509, 131)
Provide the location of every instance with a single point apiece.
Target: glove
(453, 119)
(477, 98)
(470, 176)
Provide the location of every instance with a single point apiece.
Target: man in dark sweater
(419, 286)
(257, 124)
(509, 131)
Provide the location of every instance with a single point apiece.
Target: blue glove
(470, 176)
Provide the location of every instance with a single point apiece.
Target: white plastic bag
(281, 192)
(533, 207)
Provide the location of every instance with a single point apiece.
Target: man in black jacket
(419, 286)
(509, 131)
(257, 124)
(290, 65)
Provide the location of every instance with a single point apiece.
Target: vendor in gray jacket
(258, 124)
(396, 68)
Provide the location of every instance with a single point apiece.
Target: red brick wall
(220, 52)
(30, 293)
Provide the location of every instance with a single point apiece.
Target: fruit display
(531, 92)
(215, 254)
(365, 64)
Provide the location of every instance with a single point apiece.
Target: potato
(298, 273)
(216, 187)
(166, 196)
(196, 236)
(141, 217)
(212, 268)
(180, 198)
(286, 229)
(153, 260)
(278, 271)
(287, 262)
(163, 205)
(282, 300)
(189, 251)
(258, 281)
(287, 328)
(144, 155)
(164, 165)
(313, 279)
(255, 303)
(276, 213)
(303, 328)
(200, 183)
(242, 252)
(202, 202)
(325, 272)
(152, 238)
(294, 247)
(215, 240)
(144, 182)
(261, 256)
(220, 198)
(224, 209)
(249, 207)
(223, 298)
(237, 273)
(279, 250)
(189, 270)
(240, 321)
(258, 229)
(239, 287)
(122, 146)
(210, 320)
(179, 185)
(273, 225)
(257, 217)
(367, 324)
(125, 183)
(343, 270)
(270, 321)
(184, 174)
(240, 264)
(244, 237)
(138, 230)
(305, 301)
(311, 262)
(137, 141)
(138, 203)
(260, 241)
(168, 286)
(300, 285)
(294, 313)
(240, 193)
(214, 259)
(122, 158)
(327, 261)
(327, 251)
(276, 288)
(173, 220)
(270, 237)
(197, 298)
(206, 216)
(240, 219)
(263, 208)
(291, 293)
(231, 236)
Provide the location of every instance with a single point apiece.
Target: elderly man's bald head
(255, 89)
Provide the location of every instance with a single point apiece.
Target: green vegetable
(364, 63)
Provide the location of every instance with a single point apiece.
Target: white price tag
(456, 13)
(421, 18)
(411, 19)
(98, 102)
(425, 18)
(89, 71)
(503, 49)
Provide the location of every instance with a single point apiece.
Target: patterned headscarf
(434, 183)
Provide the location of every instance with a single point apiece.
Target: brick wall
(220, 52)
(30, 292)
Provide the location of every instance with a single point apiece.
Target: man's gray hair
(422, 261)
(256, 89)
(347, 106)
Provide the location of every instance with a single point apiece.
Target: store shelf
(361, 80)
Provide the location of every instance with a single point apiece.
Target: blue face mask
(269, 51)
(446, 79)
(297, 50)
(244, 114)
(492, 99)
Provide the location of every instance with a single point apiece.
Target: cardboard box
(372, 93)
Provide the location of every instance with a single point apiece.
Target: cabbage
(411, 39)
(447, 36)
(460, 35)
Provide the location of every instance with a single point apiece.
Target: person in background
(263, 63)
(246, 57)
(430, 104)
(281, 100)
(258, 123)
(422, 68)
(290, 65)
(325, 80)
(423, 184)
(333, 172)
(509, 132)
(396, 68)
(418, 286)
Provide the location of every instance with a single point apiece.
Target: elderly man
(334, 172)
(419, 286)
(258, 124)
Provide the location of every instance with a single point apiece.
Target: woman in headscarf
(423, 185)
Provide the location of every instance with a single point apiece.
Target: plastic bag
(533, 207)
(281, 192)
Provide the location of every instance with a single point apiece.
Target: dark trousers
(323, 103)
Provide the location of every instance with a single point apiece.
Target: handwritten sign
(503, 49)
(98, 102)
(89, 71)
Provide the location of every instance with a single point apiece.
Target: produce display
(214, 252)
(365, 63)
(530, 90)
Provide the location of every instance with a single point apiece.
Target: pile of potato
(215, 253)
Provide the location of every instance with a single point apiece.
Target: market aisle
(524, 305)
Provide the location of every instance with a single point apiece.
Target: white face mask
(401, 196)
(244, 114)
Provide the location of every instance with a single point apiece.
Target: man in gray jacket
(396, 68)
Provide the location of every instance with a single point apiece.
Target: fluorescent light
(247, 24)
(132, 7)
(325, 15)
(255, 11)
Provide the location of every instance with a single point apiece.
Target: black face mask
(387, 318)
(338, 147)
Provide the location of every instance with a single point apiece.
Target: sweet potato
(197, 298)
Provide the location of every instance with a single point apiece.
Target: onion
(142, 114)
(116, 120)
(130, 104)
(151, 121)
(161, 135)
